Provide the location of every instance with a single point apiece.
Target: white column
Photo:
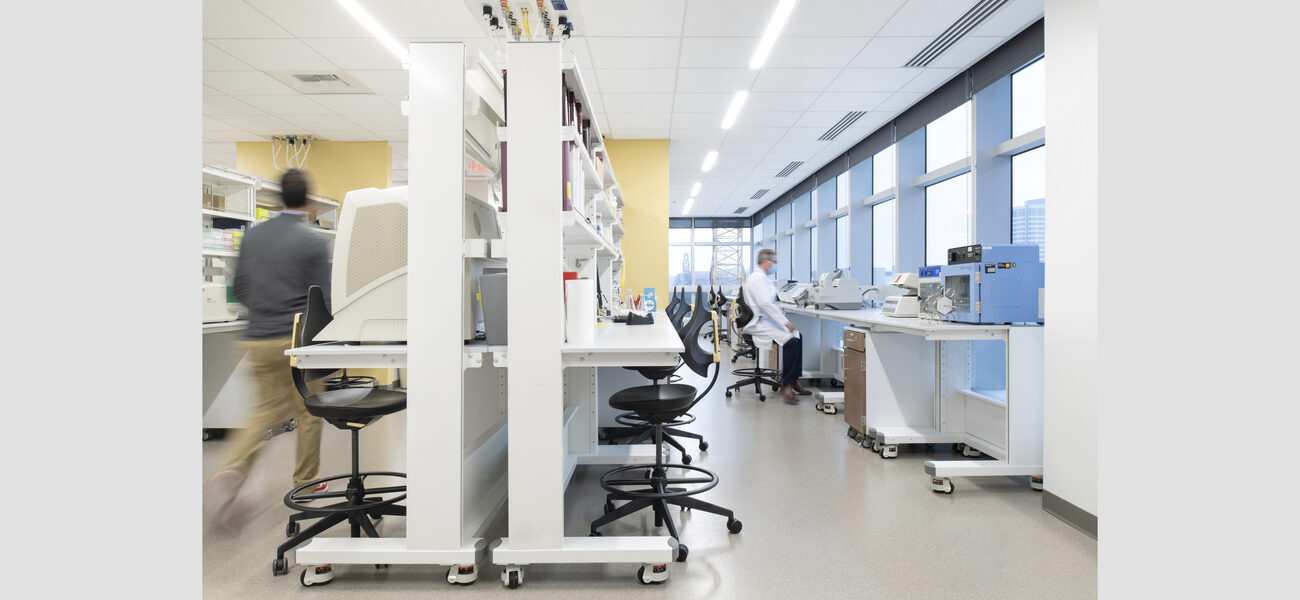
(534, 245)
(435, 292)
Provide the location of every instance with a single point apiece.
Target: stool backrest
(696, 358)
(306, 325)
(743, 313)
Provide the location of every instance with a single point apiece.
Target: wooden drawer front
(855, 389)
(855, 339)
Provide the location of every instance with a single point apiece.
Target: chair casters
(280, 566)
(703, 445)
(682, 552)
(512, 576)
(734, 525)
(319, 575)
(462, 575)
(655, 574)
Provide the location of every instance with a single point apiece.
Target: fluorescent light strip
(375, 28)
(695, 189)
(711, 158)
(733, 111)
(779, 17)
(689, 203)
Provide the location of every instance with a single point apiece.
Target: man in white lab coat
(771, 325)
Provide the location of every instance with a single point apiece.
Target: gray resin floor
(822, 517)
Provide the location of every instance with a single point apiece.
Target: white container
(580, 313)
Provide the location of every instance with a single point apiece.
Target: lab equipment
(906, 304)
(793, 292)
(218, 307)
(369, 272)
(929, 288)
(834, 290)
(993, 283)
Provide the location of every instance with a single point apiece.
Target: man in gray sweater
(278, 261)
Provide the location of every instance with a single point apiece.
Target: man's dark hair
(293, 189)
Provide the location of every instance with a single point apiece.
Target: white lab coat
(769, 321)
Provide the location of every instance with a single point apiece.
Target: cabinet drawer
(855, 339)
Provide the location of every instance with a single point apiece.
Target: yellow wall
(333, 168)
(641, 167)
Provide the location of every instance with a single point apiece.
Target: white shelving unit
(319, 209)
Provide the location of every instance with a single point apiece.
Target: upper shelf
(578, 232)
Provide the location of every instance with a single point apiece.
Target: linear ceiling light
(733, 111)
(695, 189)
(711, 158)
(687, 209)
(375, 28)
(774, 27)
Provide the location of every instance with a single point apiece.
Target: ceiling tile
(889, 52)
(803, 134)
(234, 136)
(211, 91)
(809, 147)
(738, 146)
(714, 80)
(261, 124)
(794, 80)
(818, 18)
(929, 80)
(705, 103)
(323, 122)
(755, 118)
(282, 106)
(384, 82)
(640, 120)
(392, 135)
(218, 106)
(641, 134)
(927, 18)
(211, 125)
(780, 102)
(312, 18)
(721, 53)
(729, 18)
(348, 135)
(873, 80)
(632, 103)
(820, 120)
(633, 53)
(900, 101)
(813, 52)
(235, 19)
(663, 18)
(355, 104)
(216, 59)
(847, 101)
(356, 54)
(636, 80)
(1009, 20)
(241, 83)
(697, 120)
(394, 99)
(276, 55)
(393, 120)
(965, 52)
(755, 133)
(578, 47)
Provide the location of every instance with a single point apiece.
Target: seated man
(770, 323)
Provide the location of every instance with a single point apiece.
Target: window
(679, 235)
(703, 265)
(812, 252)
(785, 250)
(697, 246)
(1029, 199)
(703, 234)
(882, 170)
(947, 218)
(679, 265)
(882, 242)
(842, 192)
(947, 139)
(1028, 107)
(842, 243)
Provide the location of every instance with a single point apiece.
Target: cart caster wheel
(682, 553)
(818, 406)
(865, 443)
(316, 575)
(686, 459)
(655, 574)
(851, 433)
(734, 525)
(703, 445)
(830, 409)
(968, 451)
(942, 485)
(890, 451)
(957, 447)
(876, 446)
(207, 435)
(1036, 483)
(462, 575)
(512, 577)
(290, 425)
(291, 529)
(280, 566)
(602, 435)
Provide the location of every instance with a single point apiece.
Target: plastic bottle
(597, 222)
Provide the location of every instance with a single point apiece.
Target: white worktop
(621, 337)
(875, 319)
(224, 326)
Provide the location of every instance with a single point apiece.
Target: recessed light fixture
(733, 111)
(774, 26)
(695, 189)
(375, 29)
(709, 159)
(687, 209)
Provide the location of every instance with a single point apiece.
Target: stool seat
(357, 403)
(654, 373)
(655, 402)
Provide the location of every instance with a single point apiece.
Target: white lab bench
(228, 382)
(919, 391)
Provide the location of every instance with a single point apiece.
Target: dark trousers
(791, 360)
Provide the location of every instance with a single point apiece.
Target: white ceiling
(664, 69)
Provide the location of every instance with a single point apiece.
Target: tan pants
(277, 402)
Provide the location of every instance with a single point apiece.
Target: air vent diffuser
(844, 123)
(758, 194)
(322, 83)
(741, 210)
(790, 168)
(973, 17)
